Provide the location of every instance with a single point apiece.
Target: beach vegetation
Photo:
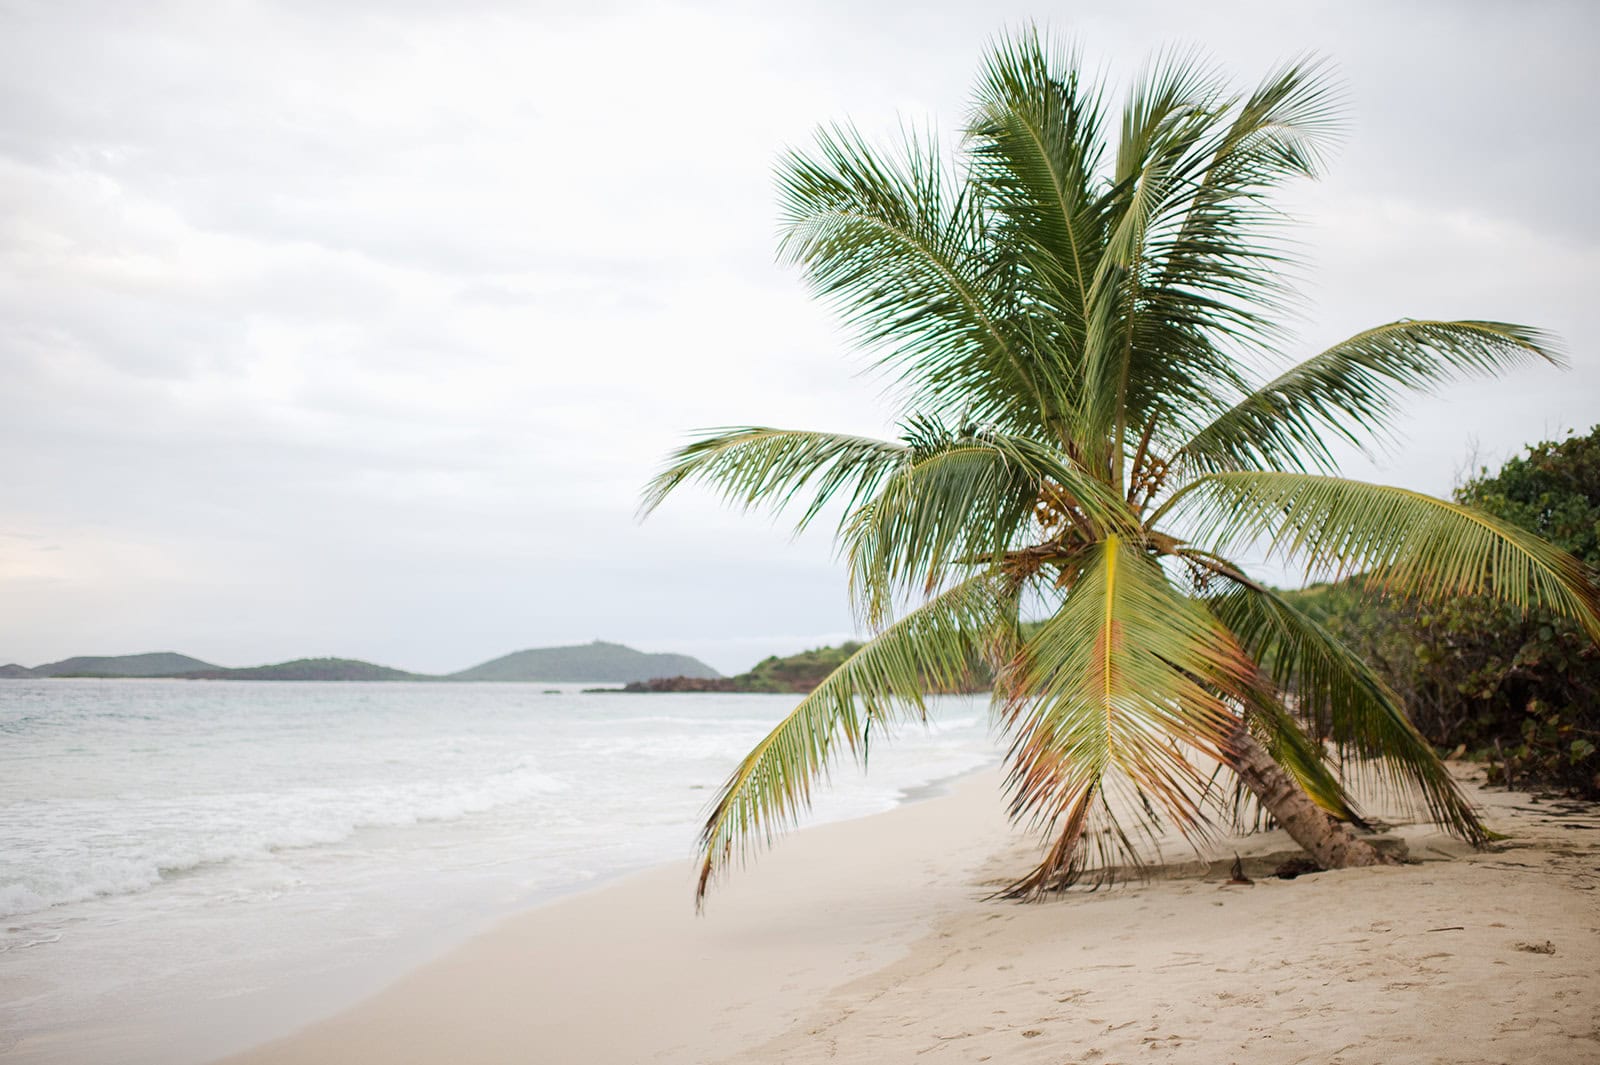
(1080, 314)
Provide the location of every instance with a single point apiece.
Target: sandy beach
(873, 941)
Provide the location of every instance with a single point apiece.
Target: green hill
(797, 673)
(590, 662)
(307, 669)
(15, 671)
(156, 664)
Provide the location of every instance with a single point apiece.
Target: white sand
(871, 941)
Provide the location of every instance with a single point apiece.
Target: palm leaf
(1218, 272)
(1167, 123)
(1035, 152)
(760, 466)
(1350, 390)
(882, 682)
(898, 245)
(1112, 691)
(1411, 543)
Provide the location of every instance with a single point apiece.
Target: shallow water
(195, 866)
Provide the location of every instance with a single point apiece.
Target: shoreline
(570, 955)
(230, 1028)
(873, 940)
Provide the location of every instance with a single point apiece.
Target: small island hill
(596, 662)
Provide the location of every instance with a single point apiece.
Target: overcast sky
(354, 328)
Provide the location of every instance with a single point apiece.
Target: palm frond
(1350, 391)
(1409, 542)
(1218, 272)
(1342, 697)
(882, 682)
(1170, 127)
(1165, 120)
(1190, 261)
(1115, 690)
(1035, 151)
(759, 466)
(897, 244)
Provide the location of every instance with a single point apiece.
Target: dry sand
(872, 942)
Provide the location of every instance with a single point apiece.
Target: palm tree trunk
(1330, 843)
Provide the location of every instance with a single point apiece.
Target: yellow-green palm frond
(933, 646)
(1410, 543)
(1114, 693)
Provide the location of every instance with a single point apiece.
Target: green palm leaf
(760, 466)
(1411, 543)
(1218, 271)
(1035, 153)
(882, 682)
(1351, 389)
(898, 245)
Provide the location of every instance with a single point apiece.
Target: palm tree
(1078, 331)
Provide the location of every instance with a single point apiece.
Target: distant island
(306, 669)
(601, 662)
(590, 663)
(159, 664)
(795, 674)
(598, 661)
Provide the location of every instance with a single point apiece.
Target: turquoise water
(193, 867)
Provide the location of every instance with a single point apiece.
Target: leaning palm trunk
(1072, 323)
(1328, 841)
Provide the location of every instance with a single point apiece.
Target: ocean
(188, 868)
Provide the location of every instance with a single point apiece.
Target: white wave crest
(85, 861)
